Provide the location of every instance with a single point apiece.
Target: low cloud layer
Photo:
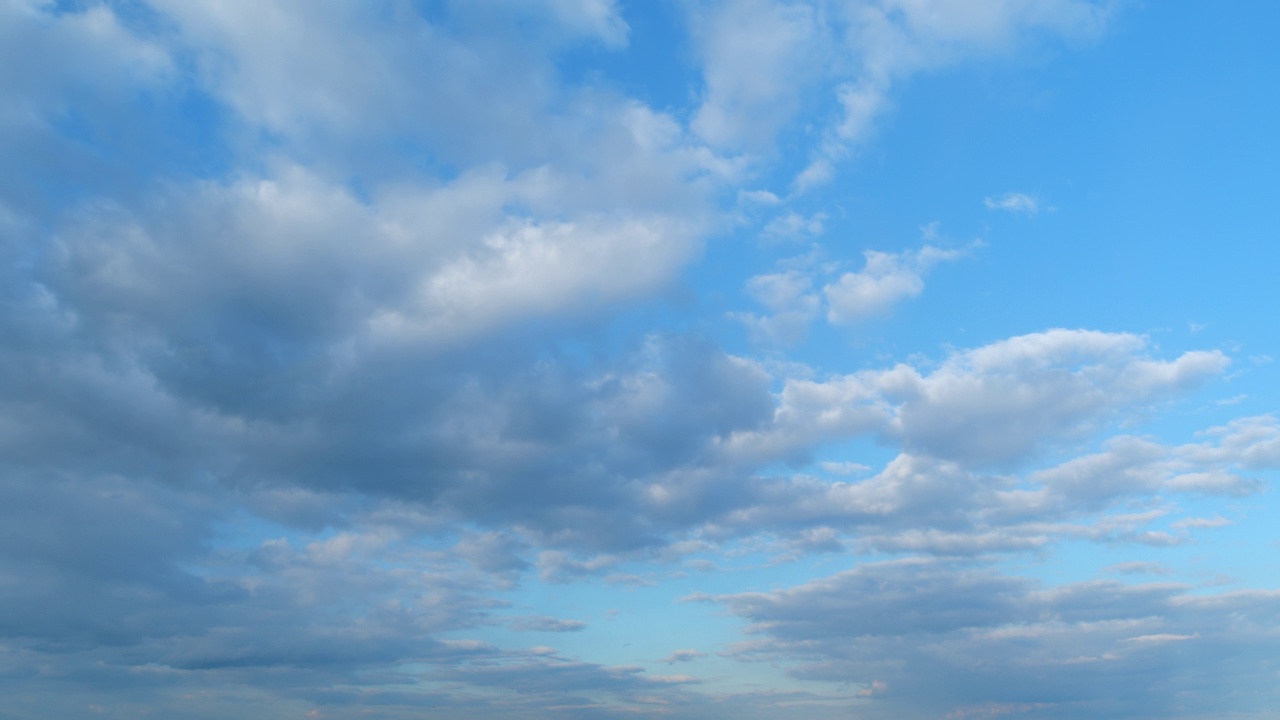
(1003, 644)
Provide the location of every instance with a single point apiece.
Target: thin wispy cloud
(1013, 202)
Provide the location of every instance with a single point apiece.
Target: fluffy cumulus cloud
(886, 279)
(991, 406)
(360, 360)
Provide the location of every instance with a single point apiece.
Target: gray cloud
(546, 624)
(932, 639)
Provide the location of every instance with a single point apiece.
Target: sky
(594, 359)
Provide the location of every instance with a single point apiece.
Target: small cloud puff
(794, 226)
(1014, 202)
(686, 655)
(546, 624)
(1197, 522)
(884, 280)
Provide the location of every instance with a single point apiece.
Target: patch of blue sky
(655, 65)
(644, 614)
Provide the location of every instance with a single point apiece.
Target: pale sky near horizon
(858, 359)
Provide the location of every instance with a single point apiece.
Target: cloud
(1138, 568)
(367, 84)
(1213, 522)
(546, 624)
(988, 406)
(68, 105)
(284, 248)
(758, 197)
(679, 656)
(887, 42)
(598, 19)
(886, 279)
(494, 552)
(1255, 441)
(652, 432)
(757, 55)
(955, 487)
(916, 628)
(863, 49)
(1013, 202)
(794, 226)
(540, 268)
(791, 304)
(333, 335)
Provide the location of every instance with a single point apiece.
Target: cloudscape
(857, 359)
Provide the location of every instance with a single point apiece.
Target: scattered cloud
(1138, 568)
(1014, 202)
(1214, 522)
(546, 624)
(885, 279)
(791, 304)
(758, 197)
(680, 656)
(757, 55)
(794, 226)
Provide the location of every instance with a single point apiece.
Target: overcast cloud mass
(883, 359)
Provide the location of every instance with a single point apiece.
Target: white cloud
(1214, 522)
(438, 265)
(548, 212)
(887, 41)
(532, 269)
(759, 197)
(1254, 442)
(794, 226)
(757, 57)
(90, 51)
(886, 279)
(685, 655)
(546, 624)
(1013, 202)
(817, 173)
(791, 304)
(601, 19)
(991, 405)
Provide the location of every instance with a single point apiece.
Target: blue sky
(600, 359)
